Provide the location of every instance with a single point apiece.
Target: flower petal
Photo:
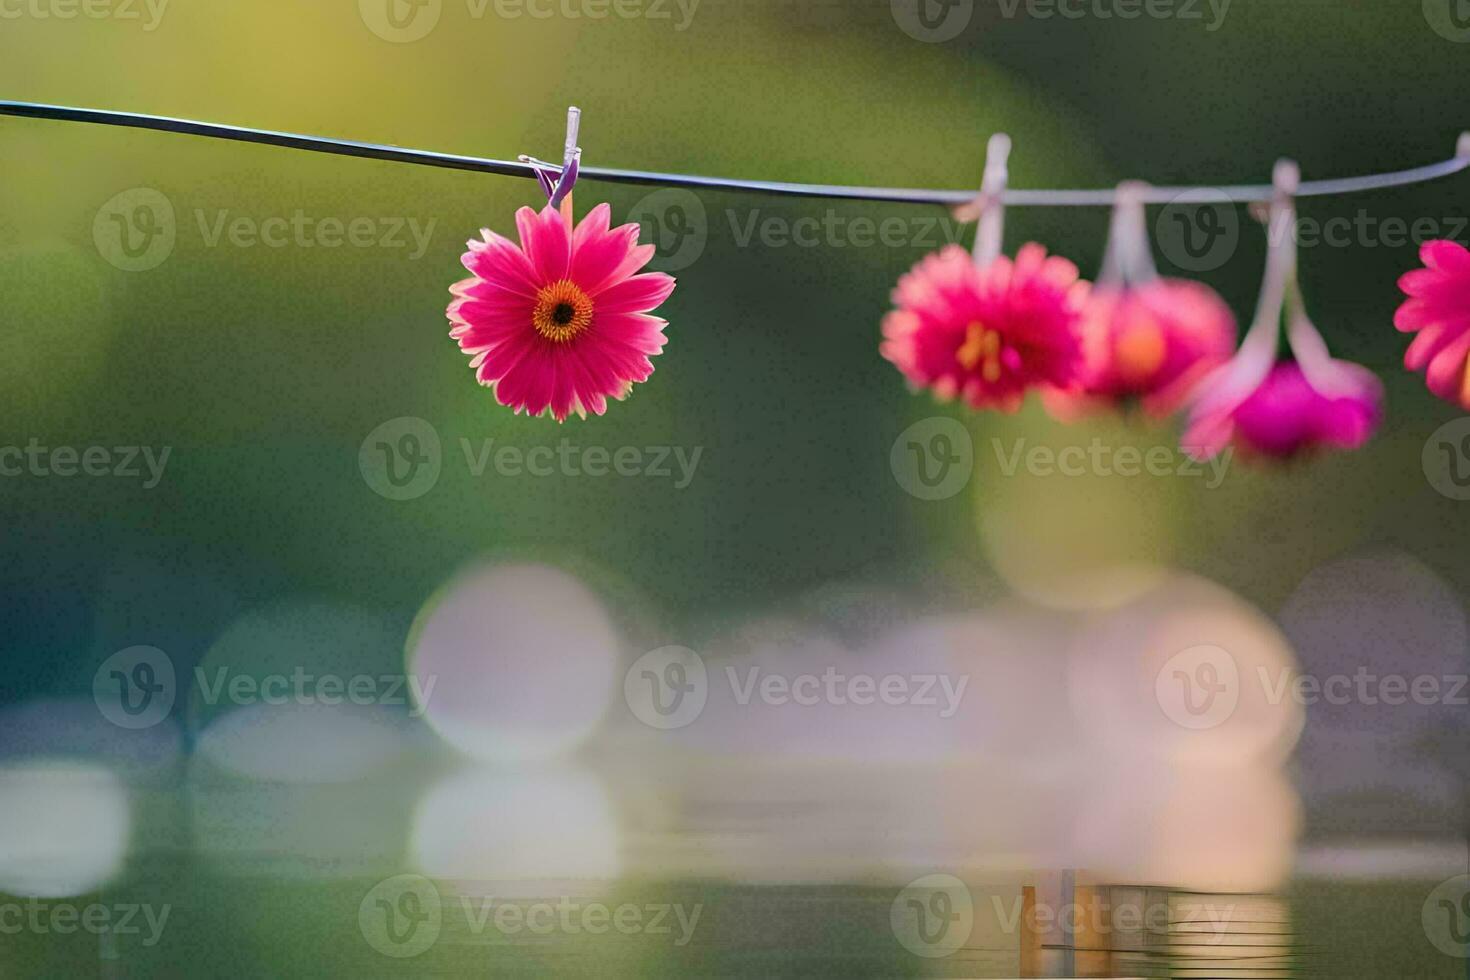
(1446, 256)
(546, 241)
(637, 294)
(597, 252)
(639, 331)
(499, 361)
(1416, 314)
(1425, 345)
(1446, 374)
(498, 260)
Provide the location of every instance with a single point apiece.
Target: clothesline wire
(1240, 193)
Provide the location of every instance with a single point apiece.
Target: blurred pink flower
(561, 320)
(1286, 415)
(987, 333)
(1280, 408)
(1151, 341)
(1438, 309)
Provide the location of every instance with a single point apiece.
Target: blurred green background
(263, 369)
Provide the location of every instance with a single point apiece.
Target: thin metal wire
(1239, 193)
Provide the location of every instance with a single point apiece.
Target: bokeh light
(521, 660)
(64, 827)
(1189, 672)
(509, 833)
(306, 790)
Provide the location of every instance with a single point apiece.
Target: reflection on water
(300, 790)
(506, 833)
(1153, 932)
(1004, 791)
(63, 827)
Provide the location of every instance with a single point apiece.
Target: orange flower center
(981, 347)
(562, 311)
(1140, 350)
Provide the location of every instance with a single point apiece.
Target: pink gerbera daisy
(1438, 309)
(1144, 338)
(1152, 342)
(560, 321)
(986, 333)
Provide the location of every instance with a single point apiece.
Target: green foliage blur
(264, 367)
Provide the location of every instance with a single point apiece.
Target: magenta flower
(1282, 408)
(1438, 309)
(1286, 415)
(986, 333)
(1152, 341)
(560, 321)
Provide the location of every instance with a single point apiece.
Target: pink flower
(560, 321)
(1282, 408)
(1286, 415)
(1439, 310)
(1152, 341)
(986, 333)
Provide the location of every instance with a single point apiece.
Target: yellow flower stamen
(1140, 350)
(562, 311)
(981, 346)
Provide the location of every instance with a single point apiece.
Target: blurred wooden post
(1066, 919)
(1030, 937)
(1094, 932)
